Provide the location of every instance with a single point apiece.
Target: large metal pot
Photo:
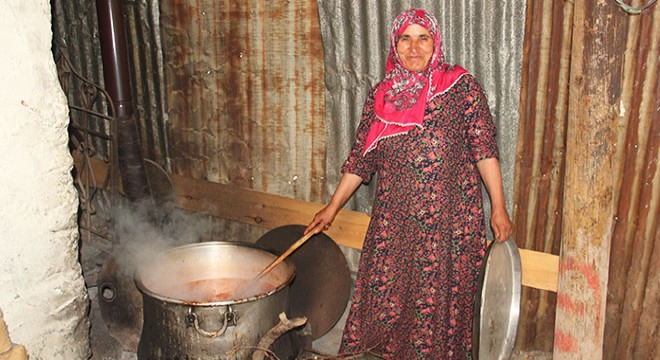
(200, 301)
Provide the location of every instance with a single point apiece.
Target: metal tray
(497, 303)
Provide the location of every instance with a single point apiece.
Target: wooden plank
(349, 228)
(539, 270)
(263, 209)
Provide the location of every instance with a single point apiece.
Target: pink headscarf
(400, 99)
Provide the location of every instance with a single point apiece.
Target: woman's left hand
(490, 172)
(501, 225)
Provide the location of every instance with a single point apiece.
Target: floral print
(414, 292)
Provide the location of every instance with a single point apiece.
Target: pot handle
(229, 318)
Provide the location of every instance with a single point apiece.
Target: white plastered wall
(42, 291)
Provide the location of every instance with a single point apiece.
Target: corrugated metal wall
(249, 110)
(224, 91)
(244, 84)
(632, 313)
(633, 301)
(76, 35)
(541, 150)
(142, 21)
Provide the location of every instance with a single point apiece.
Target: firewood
(284, 326)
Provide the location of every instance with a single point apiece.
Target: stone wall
(42, 292)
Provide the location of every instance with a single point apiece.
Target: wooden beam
(588, 205)
(263, 209)
(349, 228)
(539, 270)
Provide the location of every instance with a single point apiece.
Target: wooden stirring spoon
(284, 255)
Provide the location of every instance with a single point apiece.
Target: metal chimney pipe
(118, 85)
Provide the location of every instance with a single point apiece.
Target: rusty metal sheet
(245, 94)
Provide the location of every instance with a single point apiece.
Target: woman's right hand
(322, 220)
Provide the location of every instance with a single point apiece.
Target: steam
(143, 230)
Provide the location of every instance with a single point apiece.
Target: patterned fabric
(415, 287)
(401, 97)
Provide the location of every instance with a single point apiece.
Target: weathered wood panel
(632, 310)
(588, 212)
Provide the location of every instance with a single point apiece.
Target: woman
(427, 132)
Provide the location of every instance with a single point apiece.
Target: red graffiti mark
(566, 303)
(565, 342)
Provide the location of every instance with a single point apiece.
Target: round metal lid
(322, 285)
(497, 304)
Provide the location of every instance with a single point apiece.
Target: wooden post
(595, 77)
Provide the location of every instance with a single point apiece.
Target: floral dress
(416, 282)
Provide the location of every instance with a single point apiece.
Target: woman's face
(415, 47)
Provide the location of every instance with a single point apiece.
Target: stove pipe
(118, 85)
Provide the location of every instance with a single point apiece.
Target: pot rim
(145, 290)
